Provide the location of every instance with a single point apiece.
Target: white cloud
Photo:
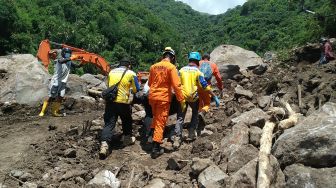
(213, 6)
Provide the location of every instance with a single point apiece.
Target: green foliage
(141, 29)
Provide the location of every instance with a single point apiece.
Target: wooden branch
(276, 112)
(292, 119)
(299, 96)
(131, 179)
(264, 153)
(16, 179)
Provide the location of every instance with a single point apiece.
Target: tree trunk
(264, 153)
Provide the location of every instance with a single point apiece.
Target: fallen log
(292, 119)
(263, 180)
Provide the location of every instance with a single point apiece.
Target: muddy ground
(56, 152)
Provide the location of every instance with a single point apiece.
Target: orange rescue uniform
(163, 77)
(204, 96)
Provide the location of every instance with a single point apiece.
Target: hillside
(141, 29)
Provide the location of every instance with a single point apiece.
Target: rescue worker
(209, 69)
(326, 51)
(120, 107)
(192, 80)
(163, 77)
(63, 63)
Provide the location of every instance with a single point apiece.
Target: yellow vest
(129, 81)
(192, 79)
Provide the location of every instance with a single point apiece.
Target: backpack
(111, 93)
(206, 69)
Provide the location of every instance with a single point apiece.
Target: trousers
(114, 110)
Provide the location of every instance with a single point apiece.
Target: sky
(213, 6)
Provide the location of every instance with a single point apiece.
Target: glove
(217, 101)
(183, 106)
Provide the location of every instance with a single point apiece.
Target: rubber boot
(156, 150)
(55, 107)
(44, 108)
(192, 134)
(201, 122)
(104, 150)
(128, 140)
(150, 136)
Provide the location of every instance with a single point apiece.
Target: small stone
(105, 178)
(97, 122)
(79, 180)
(52, 127)
(211, 127)
(26, 176)
(16, 173)
(255, 135)
(198, 165)
(70, 153)
(155, 183)
(206, 132)
(29, 185)
(263, 101)
(175, 163)
(240, 91)
(46, 176)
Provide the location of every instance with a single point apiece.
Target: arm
(203, 83)
(73, 57)
(150, 78)
(217, 75)
(176, 83)
(135, 84)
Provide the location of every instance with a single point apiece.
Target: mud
(41, 146)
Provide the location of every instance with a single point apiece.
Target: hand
(217, 101)
(183, 106)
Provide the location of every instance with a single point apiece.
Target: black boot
(156, 150)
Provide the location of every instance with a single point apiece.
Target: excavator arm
(45, 53)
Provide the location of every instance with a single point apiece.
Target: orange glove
(75, 57)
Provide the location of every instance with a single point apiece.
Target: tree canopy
(141, 29)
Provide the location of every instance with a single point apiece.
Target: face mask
(67, 55)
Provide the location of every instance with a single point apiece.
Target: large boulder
(300, 176)
(254, 117)
(312, 142)
(25, 80)
(76, 86)
(212, 175)
(93, 82)
(232, 59)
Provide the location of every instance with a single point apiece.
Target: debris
(73, 173)
(156, 183)
(70, 153)
(105, 178)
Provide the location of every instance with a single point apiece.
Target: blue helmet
(66, 52)
(194, 56)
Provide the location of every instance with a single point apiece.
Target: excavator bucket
(43, 53)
